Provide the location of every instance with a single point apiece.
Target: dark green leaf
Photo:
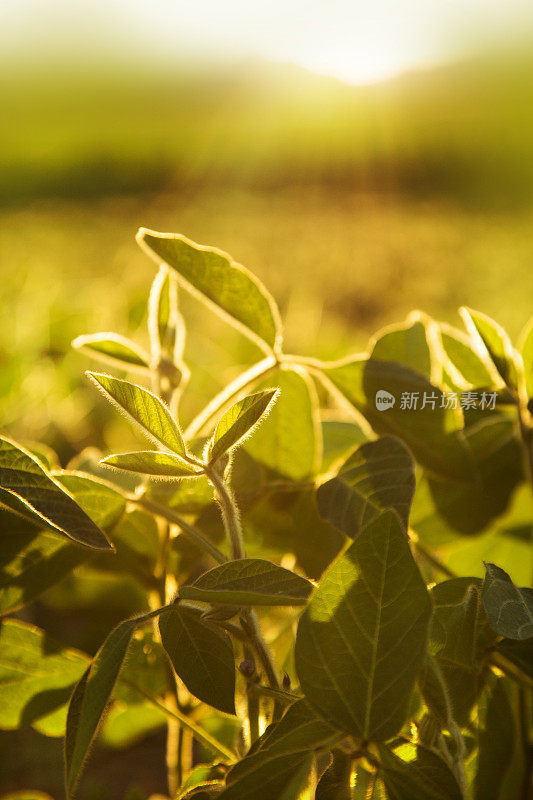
(90, 699)
(225, 285)
(29, 489)
(37, 675)
(492, 337)
(239, 421)
(289, 441)
(431, 432)
(111, 347)
(378, 476)
(202, 656)
(361, 640)
(335, 781)
(519, 653)
(414, 772)
(153, 462)
(509, 609)
(249, 581)
(495, 740)
(407, 344)
(144, 409)
(99, 499)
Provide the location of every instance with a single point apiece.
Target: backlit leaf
(361, 640)
(494, 339)
(289, 441)
(153, 462)
(335, 781)
(431, 432)
(249, 581)
(225, 285)
(144, 409)
(165, 324)
(526, 349)
(239, 421)
(29, 489)
(99, 499)
(111, 347)
(37, 676)
(509, 609)
(378, 476)
(414, 772)
(90, 699)
(406, 343)
(202, 656)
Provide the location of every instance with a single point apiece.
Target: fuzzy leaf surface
(249, 581)
(152, 462)
(229, 288)
(361, 640)
(239, 420)
(378, 476)
(30, 490)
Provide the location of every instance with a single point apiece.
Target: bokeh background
(364, 159)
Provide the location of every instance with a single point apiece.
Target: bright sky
(355, 40)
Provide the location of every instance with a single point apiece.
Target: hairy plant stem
(249, 621)
(187, 530)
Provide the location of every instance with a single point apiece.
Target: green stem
(199, 733)
(191, 533)
(223, 398)
(230, 514)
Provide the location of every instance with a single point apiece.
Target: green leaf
(525, 346)
(280, 762)
(90, 699)
(495, 740)
(110, 347)
(460, 633)
(144, 409)
(339, 439)
(126, 726)
(202, 656)
(165, 324)
(29, 489)
(470, 366)
(249, 581)
(407, 344)
(153, 462)
(136, 541)
(519, 653)
(492, 338)
(214, 277)
(99, 499)
(378, 476)
(414, 772)
(239, 421)
(37, 675)
(289, 441)
(432, 433)
(509, 609)
(32, 560)
(361, 640)
(335, 781)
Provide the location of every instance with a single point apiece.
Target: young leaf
(494, 339)
(166, 327)
(226, 286)
(361, 640)
(509, 609)
(153, 462)
(414, 772)
(289, 441)
(110, 347)
(36, 678)
(470, 366)
(27, 488)
(90, 699)
(144, 409)
(432, 432)
(249, 581)
(202, 656)
(240, 420)
(378, 476)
